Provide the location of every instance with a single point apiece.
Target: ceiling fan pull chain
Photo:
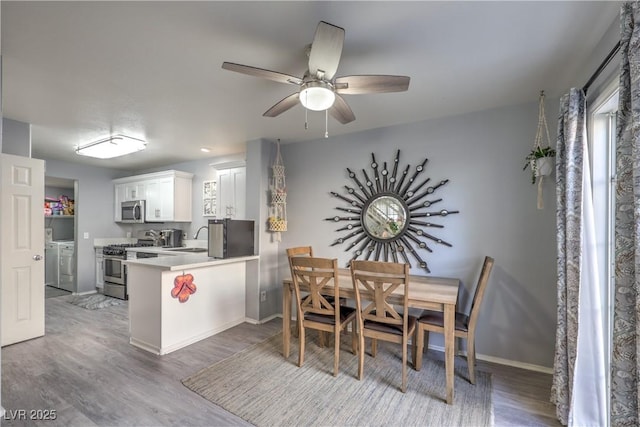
(326, 123)
(306, 123)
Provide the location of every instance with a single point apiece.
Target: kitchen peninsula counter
(175, 261)
(177, 300)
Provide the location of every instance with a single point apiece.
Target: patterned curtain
(626, 326)
(569, 160)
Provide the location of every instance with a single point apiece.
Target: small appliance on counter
(172, 237)
(231, 238)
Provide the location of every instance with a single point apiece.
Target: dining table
(425, 292)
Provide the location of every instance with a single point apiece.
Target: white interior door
(21, 248)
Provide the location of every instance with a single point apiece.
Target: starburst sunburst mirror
(388, 213)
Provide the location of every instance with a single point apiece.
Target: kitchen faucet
(195, 236)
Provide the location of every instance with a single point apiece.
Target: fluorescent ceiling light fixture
(113, 146)
(317, 95)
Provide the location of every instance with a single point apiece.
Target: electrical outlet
(263, 296)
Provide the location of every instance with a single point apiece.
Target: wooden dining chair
(374, 282)
(465, 325)
(319, 276)
(306, 251)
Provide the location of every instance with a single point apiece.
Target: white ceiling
(78, 71)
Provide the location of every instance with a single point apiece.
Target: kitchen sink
(188, 249)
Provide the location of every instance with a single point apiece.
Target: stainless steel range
(115, 272)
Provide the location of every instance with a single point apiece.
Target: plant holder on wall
(540, 159)
(278, 210)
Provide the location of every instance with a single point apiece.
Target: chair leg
(354, 337)
(301, 347)
(336, 351)
(419, 343)
(404, 366)
(414, 347)
(374, 347)
(361, 357)
(471, 359)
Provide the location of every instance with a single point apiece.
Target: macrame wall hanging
(540, 159)
(278, 209)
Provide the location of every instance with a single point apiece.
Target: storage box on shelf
(167, 194)
(61, 206)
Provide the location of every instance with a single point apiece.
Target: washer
(51, 261)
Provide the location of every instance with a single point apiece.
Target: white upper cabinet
(127, 192)
(168, 195)
(231, 198)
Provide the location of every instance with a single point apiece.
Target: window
(602, 146)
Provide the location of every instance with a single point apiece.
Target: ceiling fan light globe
(317, 97)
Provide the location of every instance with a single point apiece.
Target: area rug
(94, 301)
(263, 388)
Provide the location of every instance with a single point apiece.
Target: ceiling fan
(319, 90)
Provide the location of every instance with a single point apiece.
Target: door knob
(37, 257)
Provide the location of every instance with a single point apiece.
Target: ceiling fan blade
(282, 106)
(341, 111)
(326, 50)
(355, 85)
(259, 72)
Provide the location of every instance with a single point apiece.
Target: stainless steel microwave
(132, 212)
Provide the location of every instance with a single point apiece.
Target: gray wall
(482, 154)
(16, 138)
(260, 156)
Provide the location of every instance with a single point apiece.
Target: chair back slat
(315, 274)
(480, 289)
(374, 282)
(299, 251)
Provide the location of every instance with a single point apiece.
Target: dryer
(67, 263)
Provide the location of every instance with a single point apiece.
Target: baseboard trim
(501, 361)
(265, 320)
(85, 293)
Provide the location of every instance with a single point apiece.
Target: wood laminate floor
(85, 369)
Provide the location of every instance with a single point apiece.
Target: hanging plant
(536, 161)
(540, 158)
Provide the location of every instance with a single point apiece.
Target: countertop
(175, 261)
